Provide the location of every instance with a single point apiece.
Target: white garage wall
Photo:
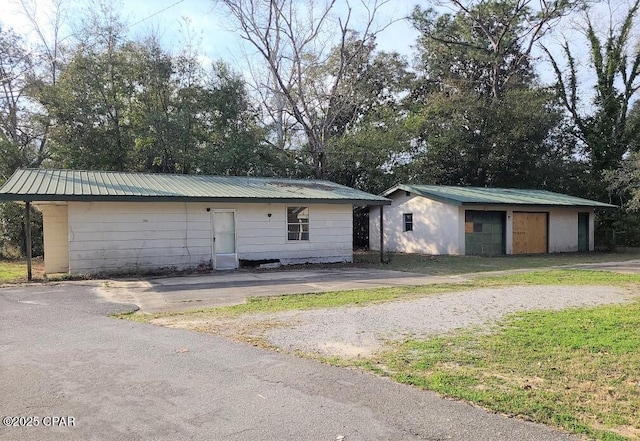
(563, 229)
(436, 228)
(115, 236)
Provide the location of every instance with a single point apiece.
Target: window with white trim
(297, 223)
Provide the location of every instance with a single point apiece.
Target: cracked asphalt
(60, 355)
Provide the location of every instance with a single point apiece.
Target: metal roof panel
(65, 185)
(496, 196)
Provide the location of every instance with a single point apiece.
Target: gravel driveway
(362, 330)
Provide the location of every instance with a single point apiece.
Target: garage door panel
(530, 233)
(484, 232)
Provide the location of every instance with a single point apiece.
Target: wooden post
(382, 234)
(27, 227)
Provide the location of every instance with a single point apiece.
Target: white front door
(224, 240)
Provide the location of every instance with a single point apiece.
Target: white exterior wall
(436, 229)
(55, 232)
(125, 236)
(262, 237)
(563, 229)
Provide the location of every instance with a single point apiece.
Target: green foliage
(477, 113)
(369, 139)
(608, 129)
(625, 181)
(132, 106)
(12, 228)
(467, 141)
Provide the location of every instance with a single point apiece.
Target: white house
(429, 219)
(111, 221)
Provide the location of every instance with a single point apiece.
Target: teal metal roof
(495, 196)
(40, 185)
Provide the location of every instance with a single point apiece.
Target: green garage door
(484, 232)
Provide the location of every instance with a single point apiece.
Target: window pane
(297, 215)
(408, 221)
(297, 223)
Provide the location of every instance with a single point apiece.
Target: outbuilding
(430, 219)
(114, 221)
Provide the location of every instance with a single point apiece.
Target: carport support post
(27, 229)
(382, 234)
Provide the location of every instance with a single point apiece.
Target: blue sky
(212, 27)
(218, 41)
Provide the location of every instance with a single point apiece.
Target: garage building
(429, 219)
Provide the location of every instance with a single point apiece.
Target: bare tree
(15, 68)
(47, 63)
(308, 52)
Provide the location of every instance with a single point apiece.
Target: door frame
(213, 233)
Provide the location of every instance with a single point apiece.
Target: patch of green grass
(15, 271)
(578, 369)
(563, 277)
(12, 271)
(450, 265)
(290, 302)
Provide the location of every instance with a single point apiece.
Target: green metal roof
(495, 196)
(40, 185)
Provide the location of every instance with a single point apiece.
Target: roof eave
(534, 205)
(127, 198)
(402, 187)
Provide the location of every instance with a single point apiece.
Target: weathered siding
(55, 231)
(263, 237)
(436, 229)
(106, 236)
(112, 236)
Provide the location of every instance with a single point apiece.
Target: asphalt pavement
(159, 294)
(64, 362)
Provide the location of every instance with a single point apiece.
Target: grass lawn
(449, 265)
(578, 369)
(15, 271)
